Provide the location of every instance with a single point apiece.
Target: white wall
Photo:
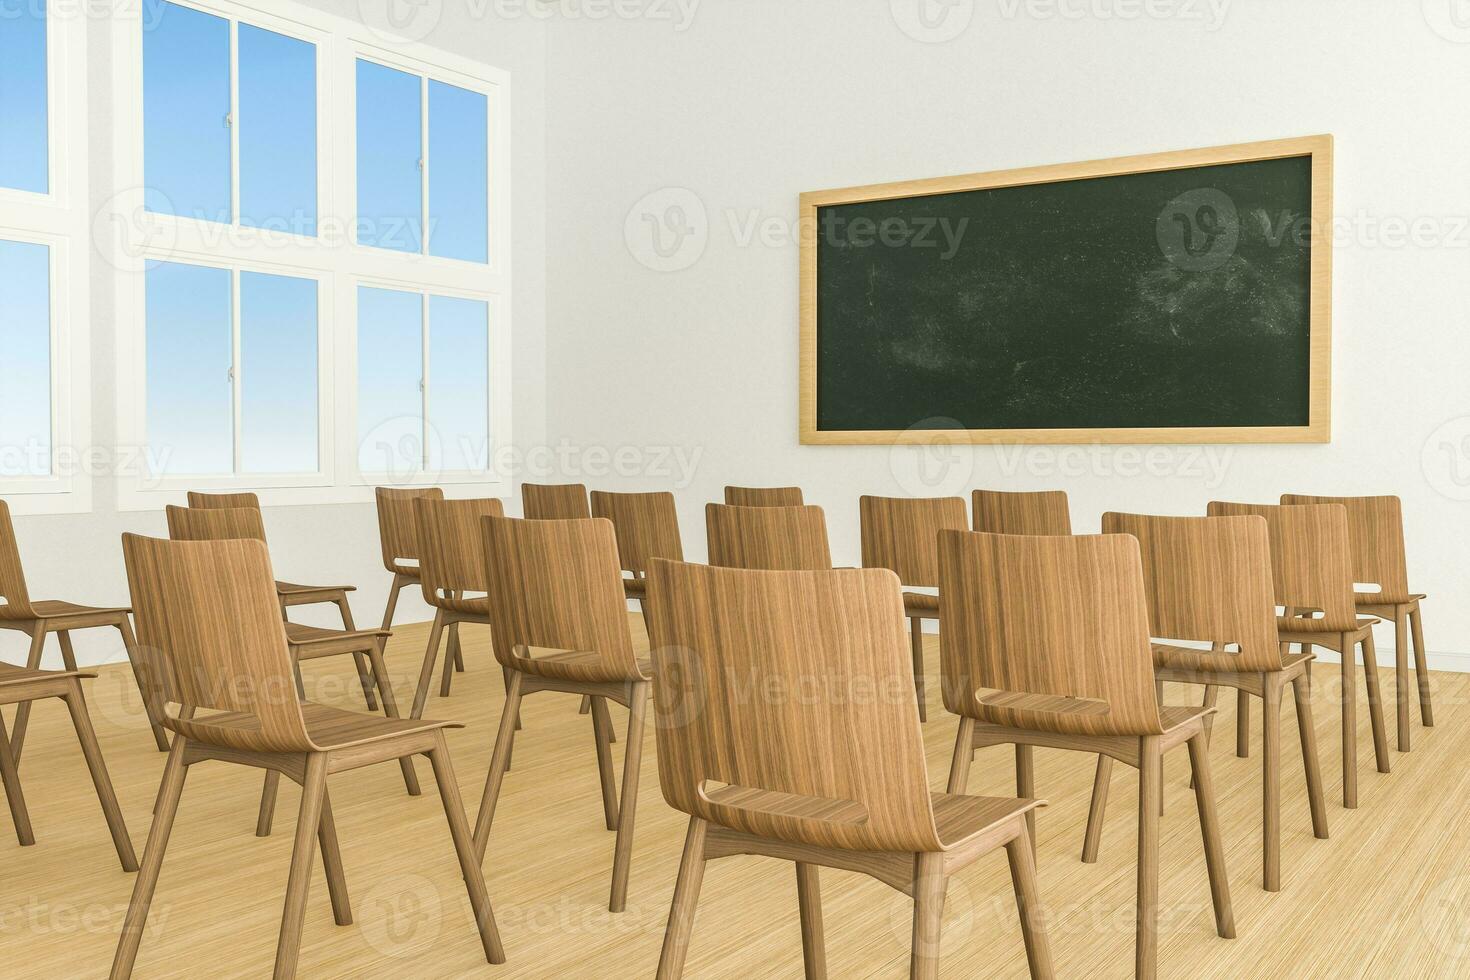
(78, 557)
(760, 100)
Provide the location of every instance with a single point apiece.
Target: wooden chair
(291, 593)
(1022, 512)
(1045, 641)
(211, 609)
(305, 642)
(901, 534)
(40, 618)
(452, 565)
(1376, 537)
(399, 536)
(839, 783)
(1212, 580)
(647, 526)
(554, 502)
(23, 685)
(1311, 571)
(778, 539)
(763, 496)
(560, 621)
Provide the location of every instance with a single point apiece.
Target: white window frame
(59, 219)
(333, 258)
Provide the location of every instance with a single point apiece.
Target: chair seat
(56, 609)
(292, 590)
(576, 665)
(470, 606)
(1378, 599)
(1297, 624)
(408, 571)
(316, 639)
(920, 602)
(328, 728)
(958, 818)
(635, 588)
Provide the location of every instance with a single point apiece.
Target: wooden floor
(1388, 895)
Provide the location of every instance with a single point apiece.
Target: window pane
(186, 102)
(278, 374)
(277, 131)
(390, 358)
(190, 401)
(25, 367)
(459, 384)
(23, 150)
(459, 216)
(389, 146)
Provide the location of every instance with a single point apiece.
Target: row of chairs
(553, 589)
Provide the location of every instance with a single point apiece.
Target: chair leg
(1026, 787)
(628, 802)
(23, 711)
(1209, 825)
(813, 942)
(964, 754)
(308, 822)
(456, 651)
(13, 794)
(1212, 700)
(390, 710)
(1146, 954)
(163, 821)
(1401, 674)
(447, 675)
(464, 849)
(68, 655)
(332, 864)
(929, 882)
(916, 643)
(1242, 725)
(1271, 781)
(1098, 807)
(76, 704)
(398, 582)
(1021, 853)
(498, 761)
(426, 673)
(1421, 668)
(1375, 702)
(1301, 696)
(146, 676)
(1349, 694)
(267, 814)
(585, 706)
(601, 724)
(686, 898)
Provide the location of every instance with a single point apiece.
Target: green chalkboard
(1171, 299)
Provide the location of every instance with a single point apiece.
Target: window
(45, 232)
(423, 383)
(423, 164)
(313, 277)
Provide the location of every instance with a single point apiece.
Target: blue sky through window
(186, 105)
(390, 362)
(389, 139)
(459, 217)
(278, 374)
(190, 349)
(25, 368)
(277, 131)
(24, 154)
(459, 384)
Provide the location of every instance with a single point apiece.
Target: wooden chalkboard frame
(1319, 427)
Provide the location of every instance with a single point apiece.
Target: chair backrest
(1022, 512)
(826, 765)
(221, 524)
(778, 539)
(902, 534)
(1046, 632)
(1208, 580)
(554, 502)
(398, 526)
(15, 601)
(452, 545)
(219, 500)
(647, 526)
(1376, 536)
(556, 585)
(1311, 562)
(763, 496)
(207, 612)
